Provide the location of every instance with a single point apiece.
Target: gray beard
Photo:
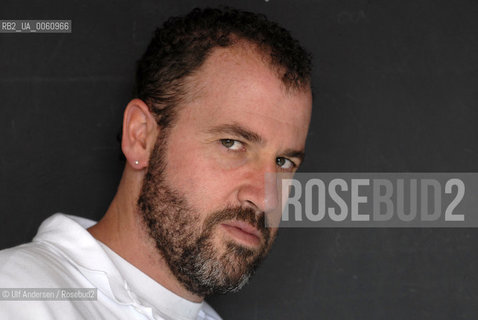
(190, 253)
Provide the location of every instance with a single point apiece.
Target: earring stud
(136, 162)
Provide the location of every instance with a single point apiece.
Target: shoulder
(48, 261)
(34, 264)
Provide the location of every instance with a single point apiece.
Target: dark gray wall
(395, 89)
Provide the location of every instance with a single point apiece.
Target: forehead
(237, 84)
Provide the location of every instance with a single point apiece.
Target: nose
(258, 189)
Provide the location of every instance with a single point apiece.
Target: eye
(285, 163)
(232, 144)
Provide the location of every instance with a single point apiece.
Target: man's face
(204, 198)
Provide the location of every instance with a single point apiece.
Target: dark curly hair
(182, 45)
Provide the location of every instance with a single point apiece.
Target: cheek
(225, 162)
(200, 175)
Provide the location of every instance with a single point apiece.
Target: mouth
(243, 232)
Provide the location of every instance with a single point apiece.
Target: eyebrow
(238, 130)
(295, 154)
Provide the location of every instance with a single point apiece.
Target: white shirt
(63, 254)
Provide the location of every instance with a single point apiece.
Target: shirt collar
(151, 293)
(68, 235)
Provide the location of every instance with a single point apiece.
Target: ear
(139, 134)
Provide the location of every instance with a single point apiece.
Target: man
(222, 98)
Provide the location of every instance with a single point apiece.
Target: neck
(122, 230)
